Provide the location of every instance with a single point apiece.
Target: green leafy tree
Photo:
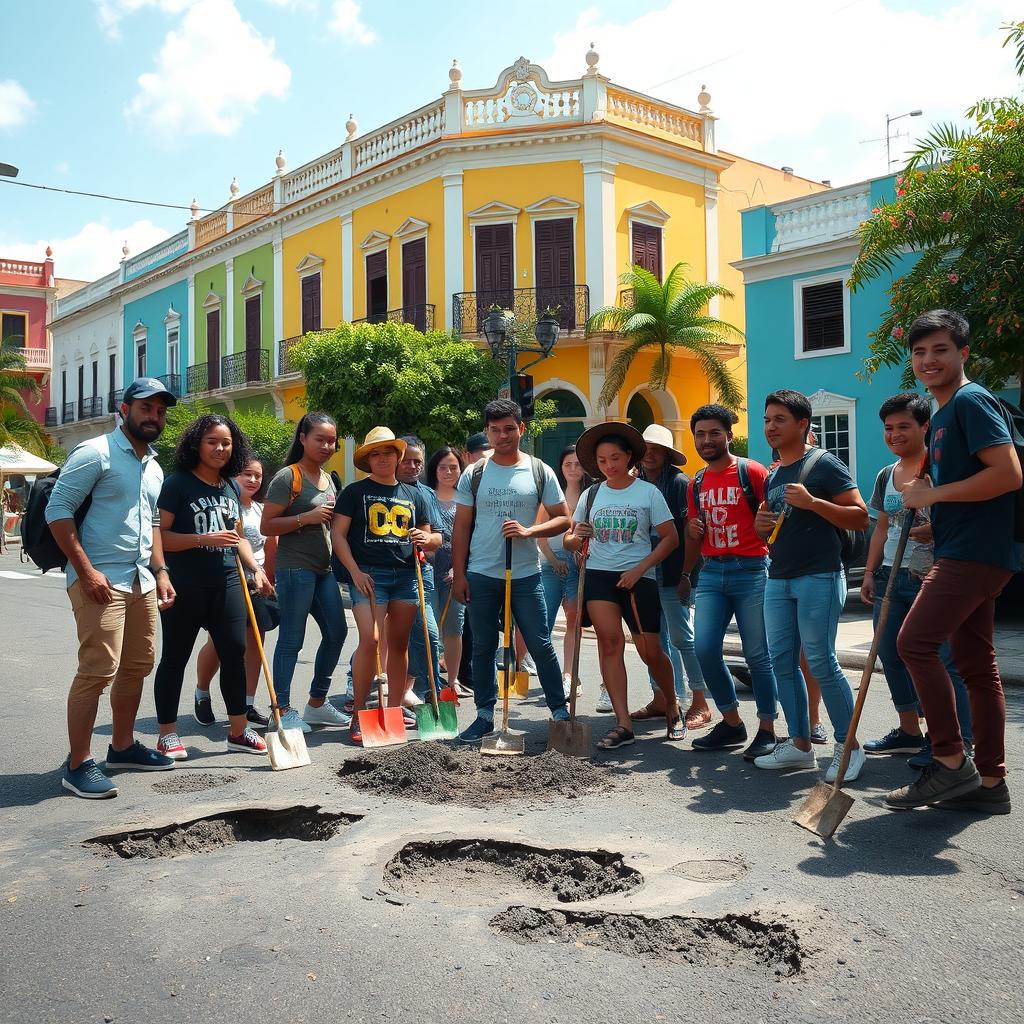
(960, 204)
(20, 429)
(389, 374)
(544, 412)
(666, 317)
(15, 382)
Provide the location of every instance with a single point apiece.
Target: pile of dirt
(192, 782)
(437, 774)
(466, 872)
(735, 941)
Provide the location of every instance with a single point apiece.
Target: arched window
(639, 413)
(569, 414)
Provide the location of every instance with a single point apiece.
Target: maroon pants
(957, 602)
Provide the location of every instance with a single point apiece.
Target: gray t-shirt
(625, 524)
(506, 492)
(886, 498)
(309, 547)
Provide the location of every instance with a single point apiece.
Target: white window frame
(827, 403)
(174, 346)
(651, 215)
(308, 266)
(140, 339)
(798, 314)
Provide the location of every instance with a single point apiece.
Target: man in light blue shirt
(505, 507)
(116, 577)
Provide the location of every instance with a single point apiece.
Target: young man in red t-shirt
(732, 580)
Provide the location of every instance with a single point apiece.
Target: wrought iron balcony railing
(572, 302)
(241, 368)
(68, 413)
(421, 316)
(284, 346)
(114, 400)
(198, 378)
(50, 420)
(90, 407)
(171, 381)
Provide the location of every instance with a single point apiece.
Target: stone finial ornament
(351, 126)
(195, 209)
(704, 99)
(125, 251)
(592, 58)
(49, 252)
(455, 75)
(234, 188)
(280, 162)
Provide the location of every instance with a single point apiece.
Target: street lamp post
(499, 330)
(8, 170)
(888, 138)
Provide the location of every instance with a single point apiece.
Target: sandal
(676, 729)
(617, 737)
(355, 733)
(698, 718)
(647, 712)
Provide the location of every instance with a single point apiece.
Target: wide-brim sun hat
(587, 442)
(662, 436)
(379, 437)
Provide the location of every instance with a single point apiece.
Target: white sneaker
(527, 665)
(604, 703)
(326, 714)
(785, 757)
(853, 769)
(567, 684)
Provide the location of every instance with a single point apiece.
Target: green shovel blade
(442, 726)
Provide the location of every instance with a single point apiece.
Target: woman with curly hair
(199, 512)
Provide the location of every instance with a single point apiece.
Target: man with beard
(116, 577)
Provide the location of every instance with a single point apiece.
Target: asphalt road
(912, 917)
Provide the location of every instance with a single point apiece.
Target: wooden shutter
(555, 269)
(377, 285)
(253, 337)
(494, 258)
(213, 349)
(823, 316)
(647, 248)
(311, 303)
(414, 282)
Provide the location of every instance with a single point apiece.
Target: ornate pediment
(650, 212)
(251, 286)
(411, 227)
(374, 240)
(553, 204)
(494, 210)
(822, 399)
(173, 318)
(212, 300)
(309, 264)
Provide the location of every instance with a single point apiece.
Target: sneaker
(785, 757)
(560, 714)
(87, 781)
(463, 690)
(935, 783)
(923, 757)
(248, 743)
(255, 719)
(763, 743)
(141, 758)
(528, 665)
(818, 735)
(895, 741)
(722, 737)
(990, 800)
(853, 769)
(480, 728)
(202, 712)
(290, 720)
(604, 703)
(172, 747)
(567, 684)
(326, 714)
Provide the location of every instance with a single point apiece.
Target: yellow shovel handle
(778, 526)
(259, 642)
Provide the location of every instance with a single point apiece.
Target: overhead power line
(100, 195)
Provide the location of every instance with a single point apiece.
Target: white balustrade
(421, 127)
(21, 268)
(86, 296)
(313, 177)
(830, 216)
(37, 358)
(525, 102)
(151, 257)
(638, 109)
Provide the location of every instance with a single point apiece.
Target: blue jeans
(301, 593)
(559, 590)
(417, 652)
(397, 584)
(901, 686)
(677, 642)
(486, 601)
(806, 611)
(455, 621)
(735, 588)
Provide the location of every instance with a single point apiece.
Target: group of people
(433, 551)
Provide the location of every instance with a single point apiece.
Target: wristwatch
(154, 569)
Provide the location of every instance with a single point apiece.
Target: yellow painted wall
(323, 240)
(521, 186)
(294, 400)
(425, 202)
(571, 364)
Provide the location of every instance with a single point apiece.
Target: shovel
(285, 747)
(381, 726)
(435, 721)
(573, 738)
(448, 693)
(506, 742)
(826, 806)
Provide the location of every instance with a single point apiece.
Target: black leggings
(221, 610)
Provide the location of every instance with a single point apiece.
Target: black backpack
(539, 480)
(37, 541)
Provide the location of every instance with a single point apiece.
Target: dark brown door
(253, 338)
(81, 392)
(377, 287)
(414, 283)
(213, 349)
(555, 269)
(647, 248)
(494, 270)
(311, 303)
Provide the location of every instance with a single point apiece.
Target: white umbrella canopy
(15, 460)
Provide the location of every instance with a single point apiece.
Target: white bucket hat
(662, 437)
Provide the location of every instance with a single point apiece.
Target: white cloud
(346, 21)
(110, 12)
(802, 82)
(211, 71)
(16, 106)
(92, 252)
(63, 168)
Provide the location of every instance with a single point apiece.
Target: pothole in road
(715, 870)
(192, 782)
(466, 872)
(215, 831)
(437, 774)
(733, 941)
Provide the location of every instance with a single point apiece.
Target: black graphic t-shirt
(382, 517)
(199, 508)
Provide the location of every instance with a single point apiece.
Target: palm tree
(14, 381)
(668, 316)
(16, 428)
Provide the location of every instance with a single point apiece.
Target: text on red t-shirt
(728, 519)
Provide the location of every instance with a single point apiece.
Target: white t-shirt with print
(625, 523)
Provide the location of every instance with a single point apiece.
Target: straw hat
(662, 436)
(379, 437)
(587, 442)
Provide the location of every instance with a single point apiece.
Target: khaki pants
(116, 644)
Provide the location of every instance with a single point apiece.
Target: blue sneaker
(480, 728)
(289, 720)
(141, 758)
(923, 757)
(87, 781)
(560, 714)
(896, 741)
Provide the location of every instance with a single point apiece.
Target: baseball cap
(148, 387)
(477, 443)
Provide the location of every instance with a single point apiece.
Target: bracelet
(154, 569)
(298, 519)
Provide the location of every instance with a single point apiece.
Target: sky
(168, 100)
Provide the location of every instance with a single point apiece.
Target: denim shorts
(388, 585)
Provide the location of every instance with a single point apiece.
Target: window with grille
(14, 327)
(822, 317)
(832, 430)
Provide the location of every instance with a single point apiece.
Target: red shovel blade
(449, 694)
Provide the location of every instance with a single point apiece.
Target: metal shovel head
(442, 726)
(287, 749)
(574, 739)
(382, 727)
(520, 685)
(823, 810)
(506, 743)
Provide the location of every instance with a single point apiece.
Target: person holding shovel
(378, 525)
(619, 517)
